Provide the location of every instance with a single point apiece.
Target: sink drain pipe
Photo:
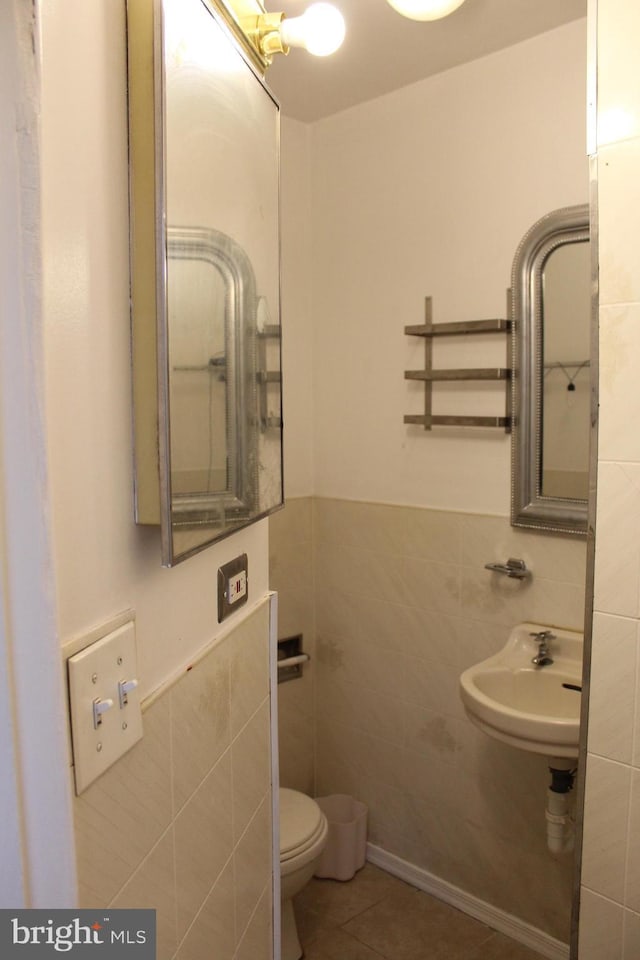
(560, 825)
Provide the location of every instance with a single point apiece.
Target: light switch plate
(233, 586)
(106, 719)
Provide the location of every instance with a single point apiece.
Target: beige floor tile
(412, 926)
(338, 945)
(337, 903)
(498, 947)
(324, 905)
(311, 925)
(376, 916)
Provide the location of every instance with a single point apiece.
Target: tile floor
(377, 917)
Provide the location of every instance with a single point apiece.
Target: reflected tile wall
(182, 822)
(610, 900)
(402, 605)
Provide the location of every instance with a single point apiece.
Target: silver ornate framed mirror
(551, 325)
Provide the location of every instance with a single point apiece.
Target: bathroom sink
(536, 708)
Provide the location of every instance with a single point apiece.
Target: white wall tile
(493, 598)
(256, 940)
(433, 682)
(249, 667)
(612, 694)
(251, 768)
(123, 813)
(631, 936)
(600, 928)
(153, 886)
(618, 222)
(252, 865)
(200, 723)
(431, 585)
(136, 852)
(214, 923)
(619, 398)
(433, 534)
(606, 813)
(632, 884)
(617, 566)
(204, 841)
(360, 708)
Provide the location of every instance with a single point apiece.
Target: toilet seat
(302, 825)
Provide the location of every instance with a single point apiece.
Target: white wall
(427, 191)
(104, 563)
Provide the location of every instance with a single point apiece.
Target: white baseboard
(497, 919)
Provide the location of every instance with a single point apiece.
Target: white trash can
(346, 848)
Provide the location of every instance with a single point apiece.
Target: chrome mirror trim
(529, 507)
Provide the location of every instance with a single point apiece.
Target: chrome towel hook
(516, 569)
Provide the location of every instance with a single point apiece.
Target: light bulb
(425, 9)
(320, 30)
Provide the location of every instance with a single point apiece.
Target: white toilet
(303, 836)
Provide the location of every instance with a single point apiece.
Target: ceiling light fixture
(425, 9)
(320, 30)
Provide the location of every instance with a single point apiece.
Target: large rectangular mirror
(551, 321)
(204, 157)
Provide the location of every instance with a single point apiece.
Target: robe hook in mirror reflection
(320, 30)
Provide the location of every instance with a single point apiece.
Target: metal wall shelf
(428, 330)
(264, 376)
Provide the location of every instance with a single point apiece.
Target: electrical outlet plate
(233, 586)
(104, 697)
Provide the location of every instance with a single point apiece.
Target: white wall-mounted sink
(536, 708)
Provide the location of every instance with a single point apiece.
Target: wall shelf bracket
(428, 330)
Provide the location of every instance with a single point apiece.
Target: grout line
(377, 953)
(201, 906)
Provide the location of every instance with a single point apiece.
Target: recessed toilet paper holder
(291, 658)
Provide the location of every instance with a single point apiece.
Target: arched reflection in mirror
(566, 308)
(212, 324)
(551, 318)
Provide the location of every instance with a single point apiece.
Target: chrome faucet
(542, 638)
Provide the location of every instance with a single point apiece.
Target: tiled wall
(182, 822)
(403, 604)
(610, 901)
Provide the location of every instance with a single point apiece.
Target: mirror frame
(154, 504)
(529, 507)
(241, 494)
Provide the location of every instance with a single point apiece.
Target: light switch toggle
(124, 689)
(100, 707)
